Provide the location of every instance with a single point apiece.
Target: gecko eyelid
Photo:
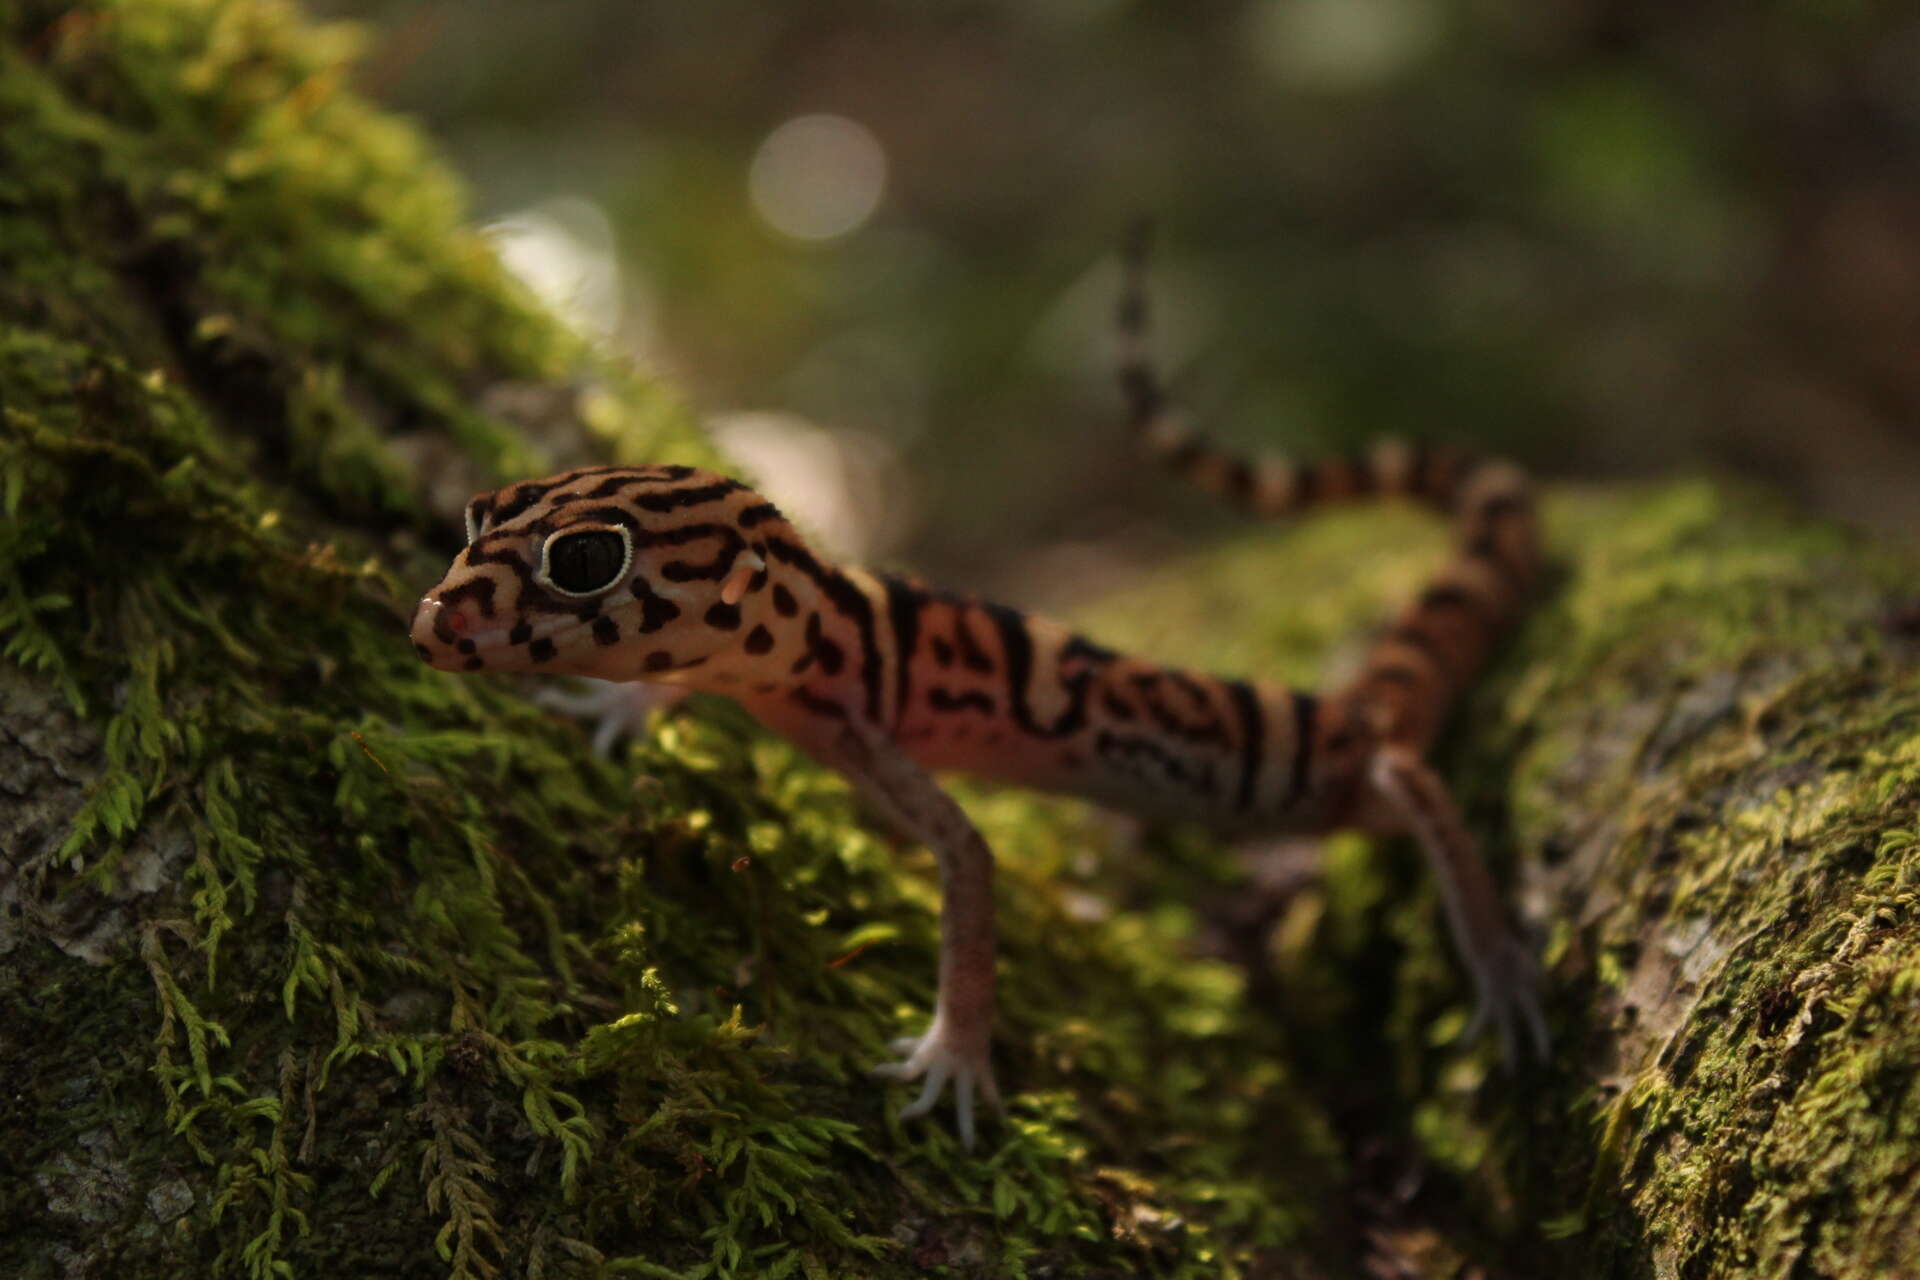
(478, 512)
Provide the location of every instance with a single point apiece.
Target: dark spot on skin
(1194, 690)
(606, 631)
(675, 499)
(971, 654)
(465, 645)
(1306, 711)
(942, 652)
(1145, 757)
(943, 699)
(759, 640)
(1240, 479)
(479, 589)
(830, 655)
(1503, 506)
(1447, 596)
(658, 660)
(541, 650)
(723, 617)
(801, 663)
(731, 544)
(1307, 484)
(655, 610)
(520, 634)
(475, 663)
(1902, 620)
(424, 652)
(783, 602)
(1366, 477)
(1186, 453)
(758, 580)
(1415, 638)
(818, 705)
(1483, 547)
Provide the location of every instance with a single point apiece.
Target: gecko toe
(930, 1092)
(937, 1062)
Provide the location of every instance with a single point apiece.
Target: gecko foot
(1507, 984)
(942, 1056)
(615, 710)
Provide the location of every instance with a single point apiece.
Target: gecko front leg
(956, 1047)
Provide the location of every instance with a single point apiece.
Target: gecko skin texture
(687, 578)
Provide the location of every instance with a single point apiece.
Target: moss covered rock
(316, 962)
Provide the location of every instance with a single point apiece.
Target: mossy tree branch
(317, 962)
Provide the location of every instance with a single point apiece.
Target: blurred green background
(873, 240)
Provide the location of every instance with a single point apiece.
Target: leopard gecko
(688, 578)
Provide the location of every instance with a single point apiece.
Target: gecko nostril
(430, 623)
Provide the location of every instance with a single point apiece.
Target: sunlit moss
(1703, 753)
(409, 981)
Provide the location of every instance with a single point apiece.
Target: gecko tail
(1269, 485)
(1431, 653)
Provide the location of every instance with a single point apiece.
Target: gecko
(685, 577)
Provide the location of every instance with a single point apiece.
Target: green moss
(389, 974)
(630, 1003)
(1703, 753)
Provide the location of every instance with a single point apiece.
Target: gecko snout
(438, 634)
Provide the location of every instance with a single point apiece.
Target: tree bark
(316, 962)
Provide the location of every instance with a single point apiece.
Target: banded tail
(1439, 642)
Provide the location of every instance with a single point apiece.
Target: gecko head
(625, 573)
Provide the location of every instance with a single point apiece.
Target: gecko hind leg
(1505, 976)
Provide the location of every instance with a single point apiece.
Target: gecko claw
(1508, 999)
(937, 1061)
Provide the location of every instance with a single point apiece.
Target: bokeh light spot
(1341, 44)
(563, 250)
(818, 177)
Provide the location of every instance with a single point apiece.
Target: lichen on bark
(317, 962)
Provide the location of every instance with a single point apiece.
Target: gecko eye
(584, 563)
